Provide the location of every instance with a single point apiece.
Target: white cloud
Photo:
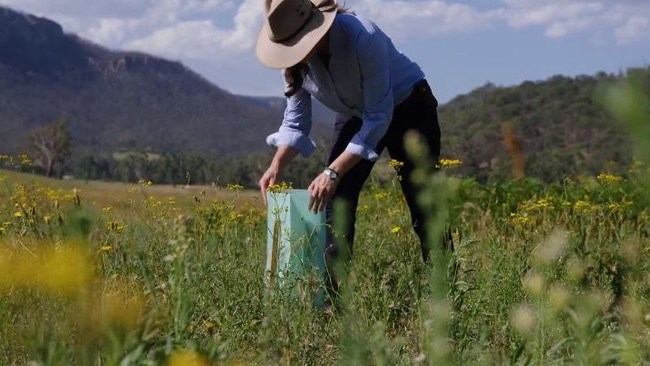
(624, 20)
(110, 31)
(423, 17)
(78, 8)
(520, 17)
(217, 29)
(186, 40)
(247, 24)
(634, 29)
(200, 39)
(166, 27)
(197, 6)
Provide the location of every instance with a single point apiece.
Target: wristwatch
(331, 173)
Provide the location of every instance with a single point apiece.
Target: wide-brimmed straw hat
(292, 29)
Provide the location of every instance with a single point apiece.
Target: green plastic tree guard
(295, 242)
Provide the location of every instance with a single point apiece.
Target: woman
(352, 67)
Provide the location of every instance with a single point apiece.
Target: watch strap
(331, 173)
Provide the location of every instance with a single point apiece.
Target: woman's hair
(295, 75)
(342, 9)
(293, 79)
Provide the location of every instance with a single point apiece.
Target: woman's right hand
(282, 156)
(268, 178)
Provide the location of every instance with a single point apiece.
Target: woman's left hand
(321, 192)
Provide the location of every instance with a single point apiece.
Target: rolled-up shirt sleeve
(378, 101)
(296, 125)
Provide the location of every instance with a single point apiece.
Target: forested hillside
(559, 127)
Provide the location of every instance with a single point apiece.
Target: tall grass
(540, 274)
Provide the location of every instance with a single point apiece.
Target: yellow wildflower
(106, 248)
(114, 226)
(520, 219)
(18, 214)
(395, 229)
(381, 195)
(544, 202)
(450, 163)
(279, 187)
(395, 163)
(235, 187)
(25, 160)
(614, 207)
(235, 216)
(145, 183)
(584, 206)
(538, 204)
(607, 178)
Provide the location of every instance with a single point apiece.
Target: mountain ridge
(117, 100)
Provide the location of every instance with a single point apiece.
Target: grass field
(140, 274)
(110, 194)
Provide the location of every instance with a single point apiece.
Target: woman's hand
(268, 178)
(321, 191)
(282, 156)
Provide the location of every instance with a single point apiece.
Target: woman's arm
(291, 139)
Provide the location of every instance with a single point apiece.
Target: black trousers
(418, 112)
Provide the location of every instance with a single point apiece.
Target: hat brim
(288, 53)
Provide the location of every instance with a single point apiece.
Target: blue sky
(460, 44)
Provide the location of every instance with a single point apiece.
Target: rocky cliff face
(27, 28)
(37, 45)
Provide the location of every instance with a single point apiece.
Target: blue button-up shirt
(367, 77)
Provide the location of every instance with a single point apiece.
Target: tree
(49, 145)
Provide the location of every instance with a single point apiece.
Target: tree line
(189, 169)
(50, 152)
